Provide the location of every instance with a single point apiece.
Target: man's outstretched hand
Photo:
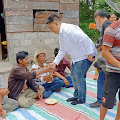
(48, 78)
(51, 67)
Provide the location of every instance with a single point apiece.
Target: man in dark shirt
(101, 21)
(61, 68)
(18, 75)
(63, 64)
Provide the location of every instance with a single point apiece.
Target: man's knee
(61, 83)
(26, 102)
(108, 98)
(47, 94)
(10, 104)
(14, 104)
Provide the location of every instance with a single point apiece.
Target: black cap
(51, 18)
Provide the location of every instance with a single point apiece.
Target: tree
(101, 4)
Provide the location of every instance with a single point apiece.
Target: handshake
(49, 68)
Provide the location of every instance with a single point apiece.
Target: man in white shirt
(81, 49)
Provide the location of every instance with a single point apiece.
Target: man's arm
(109, 57)
(4, 91)
(2, 111)
(61, 77)
(59, 56)
(57, 60)
(21, 74)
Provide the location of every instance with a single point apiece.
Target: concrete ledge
(5, 67)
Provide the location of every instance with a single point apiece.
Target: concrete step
(5, 68)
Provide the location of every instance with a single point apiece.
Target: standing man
(81, 49)
(102, 22)
(111, 52)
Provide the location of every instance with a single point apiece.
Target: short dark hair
(51, 18)
(21, 55)
(108, 17)
(102, 13)
(56, 50)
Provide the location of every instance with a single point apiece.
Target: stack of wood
(70, 10)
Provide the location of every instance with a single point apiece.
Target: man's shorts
(111, 87)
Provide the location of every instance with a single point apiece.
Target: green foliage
(86, 17)
(85, 12)
(93, 34)
(101, 4)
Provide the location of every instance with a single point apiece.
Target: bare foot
(3, 114)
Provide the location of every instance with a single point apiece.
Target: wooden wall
(26, 29)
(19, 13)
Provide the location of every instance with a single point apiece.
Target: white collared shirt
(75, 42)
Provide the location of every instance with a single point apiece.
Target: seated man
(46, 79)
(6, 104)
(62, 66)
(18, 75)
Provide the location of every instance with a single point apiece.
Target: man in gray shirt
(6, 104)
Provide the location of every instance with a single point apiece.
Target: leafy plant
(86, 17)
(93, 34)
(101, 4)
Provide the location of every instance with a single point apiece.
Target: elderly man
(82, 51)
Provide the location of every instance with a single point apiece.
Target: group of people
(44, 79)
(24, 86)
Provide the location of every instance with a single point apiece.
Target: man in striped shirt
(111, 52)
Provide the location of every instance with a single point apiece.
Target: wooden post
(0, 48)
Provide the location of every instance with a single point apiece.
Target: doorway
(3, 42)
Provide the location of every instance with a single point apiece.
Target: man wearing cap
(18, 75)
(82, 51)
(46, 79)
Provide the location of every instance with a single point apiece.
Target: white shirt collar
(61, 28)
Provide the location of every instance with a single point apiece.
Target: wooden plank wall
(19, 14)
